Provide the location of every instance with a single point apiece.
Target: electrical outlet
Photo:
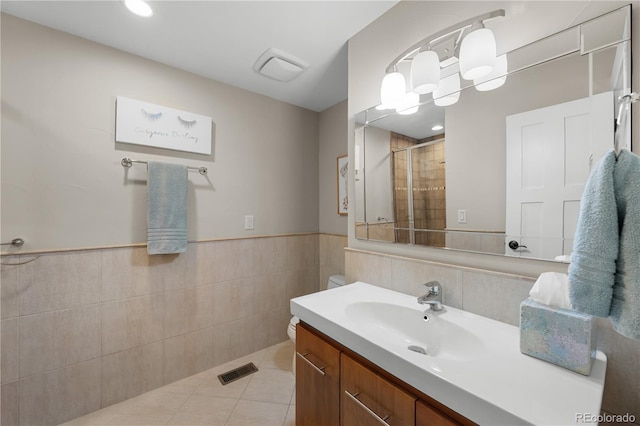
(248, 222)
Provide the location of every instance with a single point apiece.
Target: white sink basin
(472, 364)
(406, 328)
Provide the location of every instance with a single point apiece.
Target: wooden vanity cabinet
(317, 380)
(426, 415)
(335, 386)
(368, 399)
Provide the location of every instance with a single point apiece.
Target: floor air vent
(237, 373)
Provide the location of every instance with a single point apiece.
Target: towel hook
(16, 242)
(625, 100)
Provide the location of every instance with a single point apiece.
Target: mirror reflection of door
(550, 154)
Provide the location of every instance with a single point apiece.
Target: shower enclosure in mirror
(500, 171)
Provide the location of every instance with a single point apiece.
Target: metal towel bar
(128, 162)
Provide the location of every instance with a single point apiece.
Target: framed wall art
(343, 173)
(142, 123)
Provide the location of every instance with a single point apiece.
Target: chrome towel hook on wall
(16, 242)
(625, 101)
(624, 114)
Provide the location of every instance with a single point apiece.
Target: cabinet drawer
(318, 380)
(426, 415)
(368, 399)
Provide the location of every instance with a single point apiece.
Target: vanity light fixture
(139, 7)
(393, 89)
(448, 91)
(495, 78)
(466, 49)
(477, 53)
(425, 72)
(409, 104)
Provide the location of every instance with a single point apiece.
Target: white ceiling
(221, 40)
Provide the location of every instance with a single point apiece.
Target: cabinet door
(426, 415)
(368, 399)
(317, 380)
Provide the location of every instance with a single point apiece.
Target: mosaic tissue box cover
(559, 336)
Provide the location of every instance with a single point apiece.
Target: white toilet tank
(335, 281)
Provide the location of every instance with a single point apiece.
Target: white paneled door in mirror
(550, 153)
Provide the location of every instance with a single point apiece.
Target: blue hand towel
(625, 305)
(595, 248)
(604, 276)
(167, 208)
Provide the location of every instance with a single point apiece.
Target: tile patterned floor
(264, 398)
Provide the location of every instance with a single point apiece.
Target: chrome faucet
(433, 298)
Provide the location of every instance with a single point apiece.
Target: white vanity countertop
(493, 383)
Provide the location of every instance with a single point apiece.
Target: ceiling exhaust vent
(279, 65)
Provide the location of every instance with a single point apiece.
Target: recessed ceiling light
(139, 7)
(437, 127)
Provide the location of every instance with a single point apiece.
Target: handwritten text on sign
(142, 123)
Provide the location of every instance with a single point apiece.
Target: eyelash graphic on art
(187, 124)
(150, 116)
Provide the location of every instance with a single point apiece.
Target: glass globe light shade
(495, 78)
(477, 54)
(409, 104)
(425, 72)
(448, 91)
(139, 7)
(393, 89)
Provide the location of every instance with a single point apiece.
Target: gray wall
(333, 144)
(62, 183)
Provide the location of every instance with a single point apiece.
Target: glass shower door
(402, 212)
(428, 189)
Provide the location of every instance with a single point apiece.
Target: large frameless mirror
(500, 171)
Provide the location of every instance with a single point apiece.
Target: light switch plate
(248, 222)
(462, 216)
